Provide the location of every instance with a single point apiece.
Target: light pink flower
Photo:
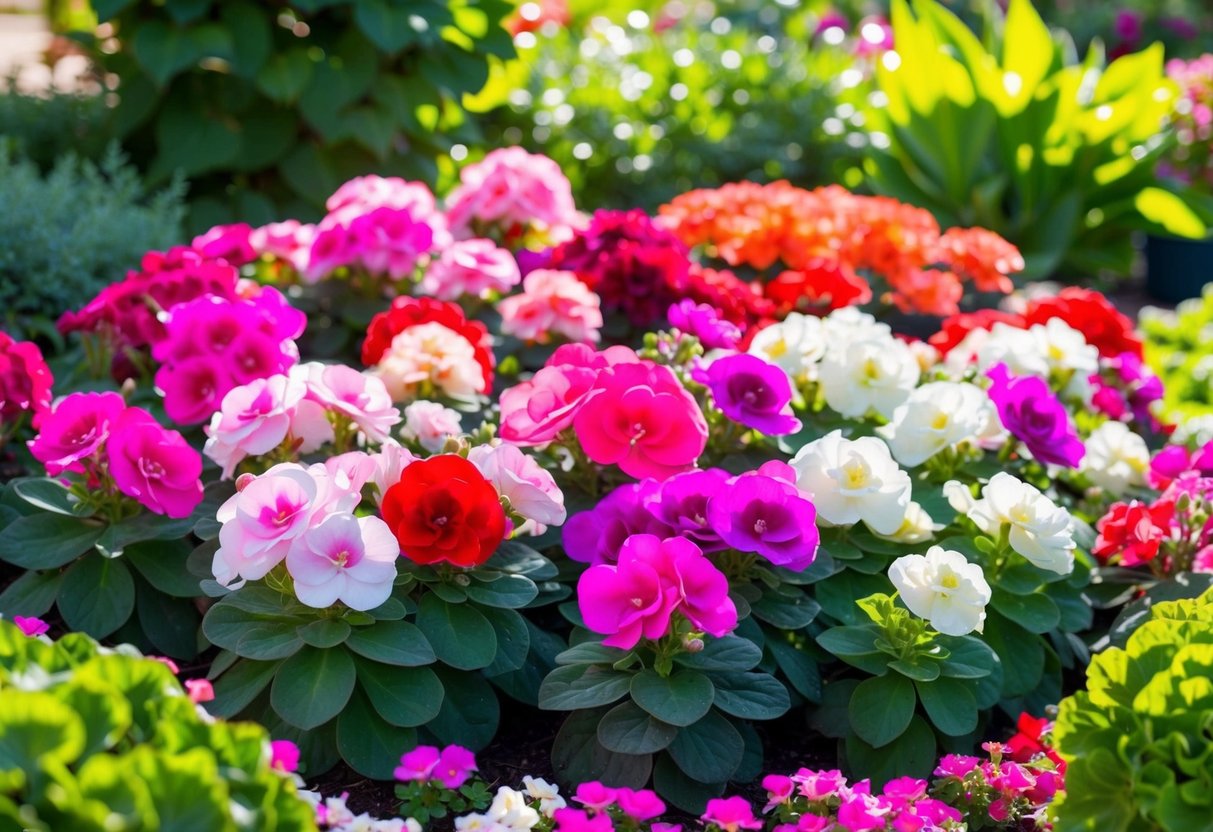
(344, 558)
(288, 240)
(199, 690)
(390, 462)
(75, 430)
(360, 397)
(819, 785)
(357, 467)
(552, 303)
(470, 267)
(430, 424)
(520, 479)
(155, 466)
(259, 416)
(513, 190)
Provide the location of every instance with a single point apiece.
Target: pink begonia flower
(75, 429)
(167, 662)
(640, 805)
(552, 303)
(194, 389)
(731, 814)
(344, 558)
(31, 625)
(455, 765)
(289, 240)
(284, 755)
(658, 826)
(703, 590)
(905, 788)
(642, 419)
(390, 462)
(594, 796)
(935, 812)
(357, 467)
(257, 417)
(529, 487)
(153, 465)
(813, 823)
(859, 812)
(430, 424)
(512, 189)
(473, 267)
(576, 820)
(956, 765)
(779, 789)
(819, 785)
(265, 516)
(417, 764)
(199, 690)
(360, 397)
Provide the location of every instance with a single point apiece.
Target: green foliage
(1014, 134)
(94, 739)
(44, 128)
(1177, 349)
(268, 107)
(1139, 740)
(636, 116)
(68, 234)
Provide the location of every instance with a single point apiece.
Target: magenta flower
(473, 267)
(956, 765)
(767, 516)
(860, 812)
(639, 805)
(153, 465)
(284, 755)
(418, 764)
(594, 796)
(455, 766)
(905, 788)
(731, 814)
(681, 503)
(344, 558)
(704, 322)
(779, 790)
(576, 820)
(1033, 415)
(702, 588)
(75, 430)
(819, 785)
(30, 625)
(629, 600)
(753, 393)
(597, 535)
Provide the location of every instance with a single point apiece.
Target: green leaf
(881, 708)
(470, 711)
(788, 613)
(370, 745)
(591, 652)
(627, 729)
(252, 40)
(47, 541)
(578, 756)
(1021, 654)
(728, 653)
(950, 705)
(710, 750)
(191, 142)
(404, 696)
(46, 494)
(170, 624)
(312, 686)
(508, 592)
(577, 687)
(750, 695)
(677, 788)
(97, 596)
(513, 640)
(240, 685)
(1035, 613)
(392, 642)
(913, 754)
(968, 657)
(250, 635)
(33, 594)
(925, 671)
(390, 27)
(1171, 212)
(163, 50)
(163, 564)
(285, 75)
(324, 633)
(679, 699)
(799, 668)
(460, 635)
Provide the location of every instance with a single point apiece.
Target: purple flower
(768, 516)
(753, 393)
(704, 323)
(596, 536)
(1036, 417)
(1128, 26)
(681, 503)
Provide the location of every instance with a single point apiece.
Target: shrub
(264, 105)
(70, 233)
(42, 128)
(1139, 740)
(96, 739)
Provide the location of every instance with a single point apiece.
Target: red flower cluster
(406, 312)
(1032, 741)
(736, 300)
(1134, 530)
(25, 380)
(1103, 325)
(127, 311)
(829, 234)
(443, 509)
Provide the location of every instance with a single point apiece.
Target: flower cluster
(1035, 526)
(552, 303)
(1192, 120)
(116, 448)
(827, 236)
(512, 194)
(25, 381)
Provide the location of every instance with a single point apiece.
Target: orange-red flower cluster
(825, 237)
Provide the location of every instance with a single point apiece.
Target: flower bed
(660, 479)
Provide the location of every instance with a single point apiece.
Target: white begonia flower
(434, 353)
(938, 415)
(1040, 530)
(511, 809)
(917, 527)
(1067, 351)
(1020, 350)
(847, 325)
(1116, 459)
(944, 588)
(872, 374)
(959, 497)
(476, 822)
(852, 480)
(795, 345)
(548, 794)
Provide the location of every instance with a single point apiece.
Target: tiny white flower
(944, 588)
(548, 794)
(852, 480)
(1116, 458)
(938, 415)
(872, 374)
(795, 345)
(917, 527)
(960, 498)
(511, 809)
(1040, 530)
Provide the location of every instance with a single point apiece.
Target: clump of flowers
(473, 268)
(1168, 535)
(1192, 120)
(552, 303)
(25, 384)
(434, 782)
(510, 195)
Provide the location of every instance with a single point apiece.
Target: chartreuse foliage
(1010, 132)
(93, 739)
(1139, 740)
(363, 686)
(268, 107)
(1178, 350)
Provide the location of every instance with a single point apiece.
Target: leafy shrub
(1176, 348)
(273, 104)
(94, 739)
(44, 128)
(72, 232)
(1055, 155)
(1139, 741)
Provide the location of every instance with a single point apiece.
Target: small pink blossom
(779, 790)
(859, 812)
(257, 417)
(390, 462)
(344, 558)
(640, 805)
(417, 764)
(594, 796)
(956, 765)
(75, 430)
(430, 424)
(155, 466)
(455, 765)
(530, 488)
(360, 397)
(731, 814)
(552, 303)
(512, 190)
(289, 240)
(199, 690)
(473, 267)
(31, 625)
(576, 820)
(284, 755)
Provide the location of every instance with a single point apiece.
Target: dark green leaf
(369, 744)
(97, 595)
(513, 640)
(679, 699)
(460, 635)
(881, 708)
(750, 695)
(163, 564)
(627, 729)
(788, 613)
(391, 27)
(312, 686)
(170, 624)
(950, 705)
(578, 756)
(968, 657)
(728, 653)
(404, 696)
(47, 494)
(250, 635)
(710, 750)
(47, 541)
(392, 642)
(924, 670)
(33, 594)
(324, 633)
(1020, 653)
(577, 687)
(1035, 613)
(912, 754)
(240, 685)
(799, 668)
(507, 592)
(674, 785)
(470, 712)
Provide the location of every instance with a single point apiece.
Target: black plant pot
(1177, 269)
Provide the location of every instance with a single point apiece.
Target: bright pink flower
(75, 430)
(391, 240)
(511, 190)
(703, 590)
(229, 242)
(812, 823)
(575, 820)
(155, 466)
(731, 814)
(289, 240)
(455, 766)
(344, 558)
(473, 267)
(956, 765)
(418, 764)
(519, 478)
(552, 303)
(779, 790)
(359, 397)
(25, 379)
(284, 755)
(658, 826)
(642, 419)
(199, 690)
(906, 788)
(257, 417)
(594, 796)
(639, 805)
(626, 601)
(31, 625)
(819, 785)
(194, 389)
(859, 812)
